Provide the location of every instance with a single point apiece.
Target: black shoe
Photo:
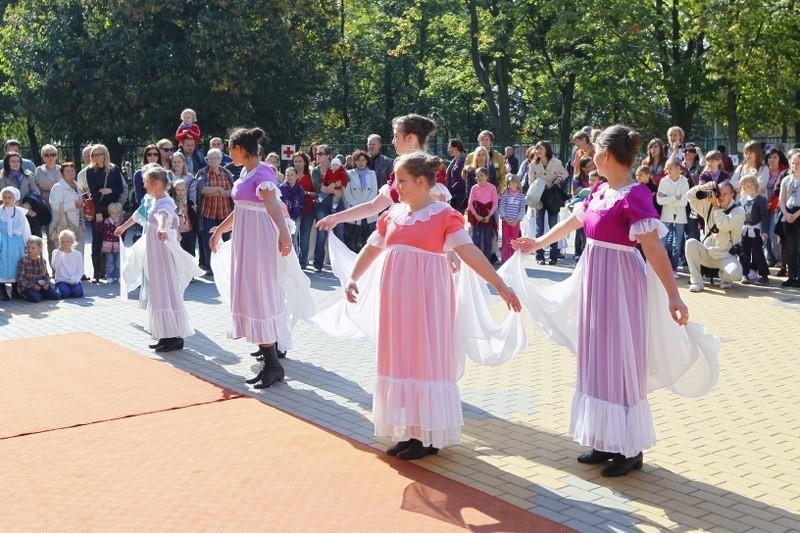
(257, 377)
(175, 343)
(620, 466)
(553, 261)
(789, 283)
(416, 450)
(281, 355)
(781, 273)
(15, 294)
(159, 344)
(595, 457)
(540, 261)
(273, 371)
(96, 280)
(3, 293)
(399, 447)
(796, 282)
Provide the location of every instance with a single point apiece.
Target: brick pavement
(725, 462)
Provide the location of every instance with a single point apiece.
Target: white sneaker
(696, 287)
(725, 284)
(675, 275)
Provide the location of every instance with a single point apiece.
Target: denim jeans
(552, 220)
(70, 291)
(35, 296)
(209, 223)
(321, 210)
(306, 224)
(112, 265)
(672, 242)
(482, 238)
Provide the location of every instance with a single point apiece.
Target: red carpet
(190, 462)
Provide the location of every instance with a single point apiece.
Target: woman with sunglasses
(48, 175)
(165, 151)
(106, 186)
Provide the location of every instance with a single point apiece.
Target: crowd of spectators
(726, 222)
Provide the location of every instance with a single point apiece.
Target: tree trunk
(501, 70)
(733, 122)
(567, 97)
(345, 81)
(34, 141)
(479, 67)
(797, 114)
(682, 114)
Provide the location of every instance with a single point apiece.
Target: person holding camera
(724, 220)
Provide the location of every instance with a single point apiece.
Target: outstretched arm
(365, 210)
(556, 233)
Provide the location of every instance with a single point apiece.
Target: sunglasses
(167, 149)
(151, 154)
(50, 155)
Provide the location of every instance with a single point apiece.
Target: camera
(705, 193)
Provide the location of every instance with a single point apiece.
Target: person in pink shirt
(480, 212)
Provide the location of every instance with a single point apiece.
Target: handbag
(535, 192)
(554, 199)
(61, 222)
(89, 209)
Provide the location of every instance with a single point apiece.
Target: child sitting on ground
(68, 266)
(32, 276)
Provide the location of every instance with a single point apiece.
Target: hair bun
(635, 140)
(257, 133)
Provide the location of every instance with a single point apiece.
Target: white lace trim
(376, 239)
(399, 214)
(606, 197)
(456, 239)
(441, 189)
(270, 186)
(386, 191)
(579, 210)
(645, 226)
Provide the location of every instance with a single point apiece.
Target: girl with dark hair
(301, 164)
(620, 319)
(417, 402)
(548, 168)
(259, 236)
(656, 158)
(455, 184)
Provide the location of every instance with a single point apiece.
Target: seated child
(68, 266)
(32, 276)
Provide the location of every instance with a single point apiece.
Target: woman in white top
(362, 187)
(671, 196)
(66, 202)
(546, 167)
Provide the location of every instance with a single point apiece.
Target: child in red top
(188, 127)
(334, 181)
(480, 212)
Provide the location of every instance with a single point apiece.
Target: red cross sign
(287, 152)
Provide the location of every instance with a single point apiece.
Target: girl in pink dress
(258, 307)
(417, 401)
(610, 411)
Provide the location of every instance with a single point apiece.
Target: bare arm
(556, 233)
(125, 226)
(365, 258)
(273, 206)
(224, 227)
(657, 258)
(365, 210)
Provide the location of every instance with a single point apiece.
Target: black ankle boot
(257, 377)
(15, 292)
(258, 354)
(273, 371)
(621, 465)
(159, 344)
(3, 293)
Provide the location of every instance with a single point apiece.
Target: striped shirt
(512, 205)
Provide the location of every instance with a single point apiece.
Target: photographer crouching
(724, 220)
